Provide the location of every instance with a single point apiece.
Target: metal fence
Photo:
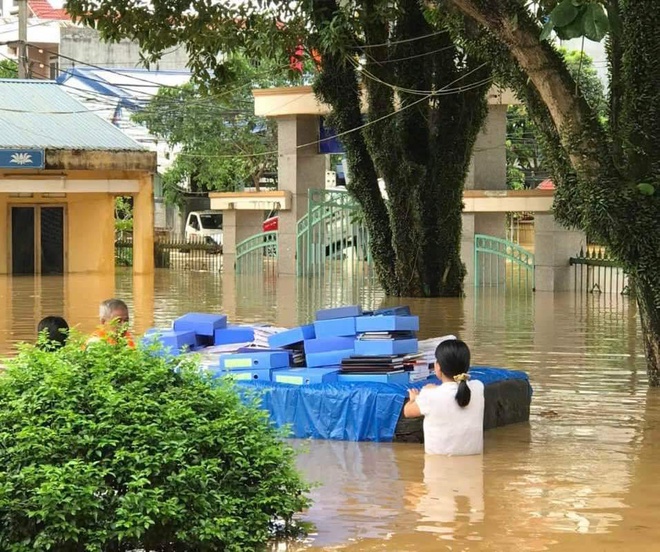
(596, 271)
(176, 254)
(499, 262)
(258, 253)
(332, 235)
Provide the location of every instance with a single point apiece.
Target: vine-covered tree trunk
(391, 152)
(614, 193)
(421, 141)
(337, 86)
(638, 138)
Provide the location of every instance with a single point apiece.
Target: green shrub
(112, 449)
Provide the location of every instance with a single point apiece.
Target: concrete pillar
(143, 227)
(299, 170)
(554, 245)
(487, 169)
(237, 226)
(467, 247)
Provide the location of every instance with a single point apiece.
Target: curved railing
(330, 230)
(500, 262)
(254, 252)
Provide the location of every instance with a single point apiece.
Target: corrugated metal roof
(40, 114)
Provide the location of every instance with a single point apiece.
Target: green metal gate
(331, 234)
(498, 262)
(257, 253)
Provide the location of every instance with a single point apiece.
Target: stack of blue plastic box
(343, 334)
(383, 336)
(195, 331)
(326, 342)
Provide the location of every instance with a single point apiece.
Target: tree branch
(577, 124)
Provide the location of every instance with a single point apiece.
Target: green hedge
(112, 449)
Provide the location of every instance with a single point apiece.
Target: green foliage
(123, 217)
(222, 144)
(114, 449)
(8, 69)
(646, 189)
(576, 18)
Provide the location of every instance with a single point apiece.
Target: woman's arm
(411, 408)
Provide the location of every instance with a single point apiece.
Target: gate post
(299, 170)
(554, 245)
(237, 225)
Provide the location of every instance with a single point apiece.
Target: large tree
(426, 103)
(608, 173)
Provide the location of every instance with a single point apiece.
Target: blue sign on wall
(22, 159)
(328, 143)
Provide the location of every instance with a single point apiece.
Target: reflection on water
(579, 476)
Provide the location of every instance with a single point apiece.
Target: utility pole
(22, 39)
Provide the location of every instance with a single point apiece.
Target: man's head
(113, 311)
(57, 331)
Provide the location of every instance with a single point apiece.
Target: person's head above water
(57, 331)
(452, 360)
(113, 311)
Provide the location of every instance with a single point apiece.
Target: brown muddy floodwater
(582, 475)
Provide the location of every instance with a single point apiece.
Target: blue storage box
(173, 342)
(292, 336)
(304, 376)
(393, 311)
(378, 347)
(399, 377)
(339, 312)
(328, 358)
(233, 334)
(201, 323)
(387, 323)
(255, 360)
(337, 327)
(325, 344)
(246, 374)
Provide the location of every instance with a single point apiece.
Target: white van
(204, 226)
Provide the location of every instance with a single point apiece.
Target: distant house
(115, 95)
(61, 168)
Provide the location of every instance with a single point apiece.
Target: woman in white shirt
(454, 411)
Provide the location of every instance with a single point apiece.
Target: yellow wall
(91, 233)
(88, 229)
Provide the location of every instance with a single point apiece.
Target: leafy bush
(112, 449)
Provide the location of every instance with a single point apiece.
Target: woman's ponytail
(453, 357)
(463, 394)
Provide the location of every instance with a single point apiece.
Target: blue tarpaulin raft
(372, 411)
(343, 377)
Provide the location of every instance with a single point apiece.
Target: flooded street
(580, 476)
